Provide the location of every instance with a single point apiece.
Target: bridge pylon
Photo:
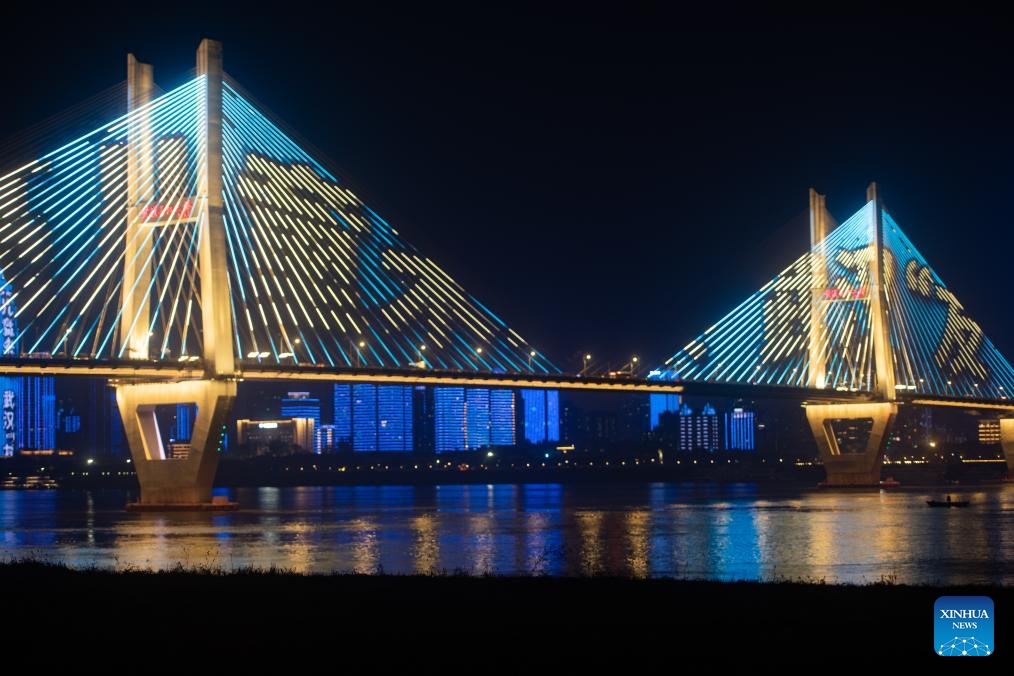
(862, 466)
(1007, 442)
(169, 482)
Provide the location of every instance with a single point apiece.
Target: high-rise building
(110, 436)
(324, 439)
(449, 419)
(501, 417)
(989, 431)
(183, 422)
(541, 415)
(472, 418)
(27, 403)
(686, 428)
(342, 414)
(364, 417)
(9, 388)
(29, 413)
(739, 430)
(698, 431)
(394, 418)
(477, 428)
(373, 417)
(301, 405)
(423, 426)
(659, 403)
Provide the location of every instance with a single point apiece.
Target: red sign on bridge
(180, 211)
(845, 294)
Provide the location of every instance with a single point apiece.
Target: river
(678, 530)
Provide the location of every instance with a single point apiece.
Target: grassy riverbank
(274, 609)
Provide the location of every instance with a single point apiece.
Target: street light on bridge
(531, 356)
(584, 367)
(422, 361)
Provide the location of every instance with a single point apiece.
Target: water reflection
(643, 530)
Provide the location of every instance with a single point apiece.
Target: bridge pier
(1007, 441)
(175, 483)
(852, 468)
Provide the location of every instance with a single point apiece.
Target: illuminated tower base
(1007, 440)
(851, 469)
(176, 483)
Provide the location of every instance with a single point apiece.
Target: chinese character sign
(9, 431)
(8, 322)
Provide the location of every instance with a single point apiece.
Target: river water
(679, 530)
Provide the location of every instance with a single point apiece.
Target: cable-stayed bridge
(862, 314)
(192, 243)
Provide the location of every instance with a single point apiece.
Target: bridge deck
(152, 370)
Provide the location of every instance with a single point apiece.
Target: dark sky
(606, 182)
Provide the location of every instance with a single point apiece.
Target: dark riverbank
(304, 616)
(309, 470)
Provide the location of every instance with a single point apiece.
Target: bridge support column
(844, 468)
(168, 483)
(1007, 441)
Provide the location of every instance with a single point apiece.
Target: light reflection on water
(690, 531)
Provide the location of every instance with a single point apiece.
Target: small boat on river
(947, 503)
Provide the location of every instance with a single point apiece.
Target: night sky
(605, 182)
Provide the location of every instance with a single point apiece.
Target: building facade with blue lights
(183, 423)
(541, 411)
(470, 418)
(659, 403)
(302, 405)
(27, 403)
(739, 430)
(369, 417)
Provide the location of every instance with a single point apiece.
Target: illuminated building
(989, 431)
(183, 423)
(739, 430)
(364, 417)
(373, 417)
(449, 419)
(477, 426)
(301, 405)
(471, 418)
(27, 403)
(394, 418)
(501, 417)
(659, 403)
(342, 414)
(325, 439)
(541, 415)
(260, 435)
(71, 423)
(29, 413)
(698, 431)
(686, 428)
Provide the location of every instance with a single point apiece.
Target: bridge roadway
(155, 370)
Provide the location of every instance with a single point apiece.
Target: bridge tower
(178, 482)
(1007, 443)
(856, 468)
